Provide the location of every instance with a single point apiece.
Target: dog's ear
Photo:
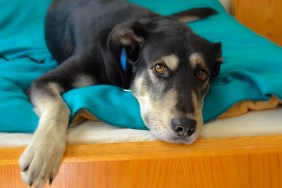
(193, 14)
(218, 60)
(129, 36)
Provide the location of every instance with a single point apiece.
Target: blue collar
(123, 59)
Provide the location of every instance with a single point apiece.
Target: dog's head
(171, 68)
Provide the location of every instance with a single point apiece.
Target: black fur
(79, 34)
(169, 71)
(86, 37)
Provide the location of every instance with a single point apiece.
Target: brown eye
(201, 74)
(160, 68)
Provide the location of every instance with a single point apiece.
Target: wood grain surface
(262, 16)
(226, 162)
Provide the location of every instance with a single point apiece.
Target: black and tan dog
(168, 69)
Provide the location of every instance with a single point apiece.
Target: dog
(166, 66)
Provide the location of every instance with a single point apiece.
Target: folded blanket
(251, 70)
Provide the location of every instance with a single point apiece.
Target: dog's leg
(42, 158)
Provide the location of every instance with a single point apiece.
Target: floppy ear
(218, 60)
(129, 36)
(193, 14)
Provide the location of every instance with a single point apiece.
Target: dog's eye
(160, 68)
(201, 74)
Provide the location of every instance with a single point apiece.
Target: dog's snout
(183, 127)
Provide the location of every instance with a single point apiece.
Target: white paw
(41, 160)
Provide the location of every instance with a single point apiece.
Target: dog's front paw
(41, 161)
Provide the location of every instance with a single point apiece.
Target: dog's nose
(183, 127)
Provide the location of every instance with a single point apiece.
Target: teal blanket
(251, 70)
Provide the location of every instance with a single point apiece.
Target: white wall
(227, 5)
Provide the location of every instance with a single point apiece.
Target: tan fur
(197, 59)
(157, 114)
(188, 19)
(49, 141)
(198, 106)
(171, 61)
(83, 80)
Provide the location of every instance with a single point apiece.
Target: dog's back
(85, 17)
